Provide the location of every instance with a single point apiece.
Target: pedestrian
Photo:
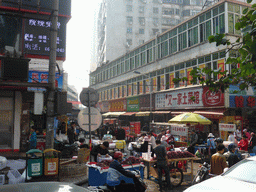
(162, 164)
(252, 142)
(218, 161)
(211, 144)
(71, 133)
(231, 137)
(248, 135)
(99, 150)
(231, 157)
(33, 140)
(159, 136)
(82, 143)
(152, 139)
(193, 141)
(115, 172)
(145, 127)
(120, 135)
(243, 143)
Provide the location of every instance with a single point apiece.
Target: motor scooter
(66, 149)
(202, 173)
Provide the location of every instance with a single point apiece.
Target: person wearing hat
(243, 144)
(248, 135)
(101, 149)
(115, 172)
(211, 144)
(231, 156)
(159, 136)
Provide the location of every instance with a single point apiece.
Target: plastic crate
(2, 179)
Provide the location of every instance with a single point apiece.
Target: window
(194, 12)
(129, 20)
(129, 30)
(141, 31)
(141, 9)
(155, 31)
(155, 10)
(177, 11)
(186, 13)
(197, 2)
(129, 41)
(128, 8)
(141, 41)
(142, 20)
(155, 21)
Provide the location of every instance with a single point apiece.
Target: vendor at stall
(115, 171)
(101, 149)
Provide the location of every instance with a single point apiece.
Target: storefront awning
(128, 114)
(161, 112)
(212, 113)
(144, 113)
(112, 114)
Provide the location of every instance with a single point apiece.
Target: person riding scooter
(115, 171)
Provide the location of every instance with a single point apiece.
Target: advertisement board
(189, 98)
(37, 37)
(42, 77)
(44, 6)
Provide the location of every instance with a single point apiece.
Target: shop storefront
(198, 100)
(10, 117)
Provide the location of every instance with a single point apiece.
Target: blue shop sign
(242, 98)
(42, 77)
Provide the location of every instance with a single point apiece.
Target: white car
(240, 177)
(43, 187)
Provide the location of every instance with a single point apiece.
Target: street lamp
(150, 93)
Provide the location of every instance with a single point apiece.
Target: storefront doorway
(6, 122)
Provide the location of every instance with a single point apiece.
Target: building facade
(150, 68)
(24, 60)
(125, 24)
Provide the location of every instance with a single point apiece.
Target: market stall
(98, 172)
(180, 132)
(181, 159)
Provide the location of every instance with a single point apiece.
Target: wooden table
(149, 163)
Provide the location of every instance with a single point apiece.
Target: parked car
(42, 187)
(239, 177)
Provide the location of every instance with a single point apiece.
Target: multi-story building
(125, 24)
(124, 84)
(24, 60)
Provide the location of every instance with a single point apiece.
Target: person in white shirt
(152, 140)
(231, 137)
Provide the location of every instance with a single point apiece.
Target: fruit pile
(179, 154)
(131, 160)
(104, 163)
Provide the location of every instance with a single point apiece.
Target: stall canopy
(128, 114)
(212, 113)
(190, 118)
(144, 113)
(112, 114)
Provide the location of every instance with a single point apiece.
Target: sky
(79, 38)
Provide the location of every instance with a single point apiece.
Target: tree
(245, 74)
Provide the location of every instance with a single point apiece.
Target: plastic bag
(3, 162)
(130, 147)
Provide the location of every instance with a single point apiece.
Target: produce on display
(179, 154)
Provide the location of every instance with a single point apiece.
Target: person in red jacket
(243, 144)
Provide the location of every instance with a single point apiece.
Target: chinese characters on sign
(179, 99)
(179, 130)
(227, 127)
(37, 37)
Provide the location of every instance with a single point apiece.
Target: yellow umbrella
(190, 118)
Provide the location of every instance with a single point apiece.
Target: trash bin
(34, 165)
(51, 162)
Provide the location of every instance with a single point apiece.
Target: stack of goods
(104, 163)
(179, 154)
(131, 160)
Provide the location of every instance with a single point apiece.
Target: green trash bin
(34, 165)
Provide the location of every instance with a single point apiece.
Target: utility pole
(51, 77)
